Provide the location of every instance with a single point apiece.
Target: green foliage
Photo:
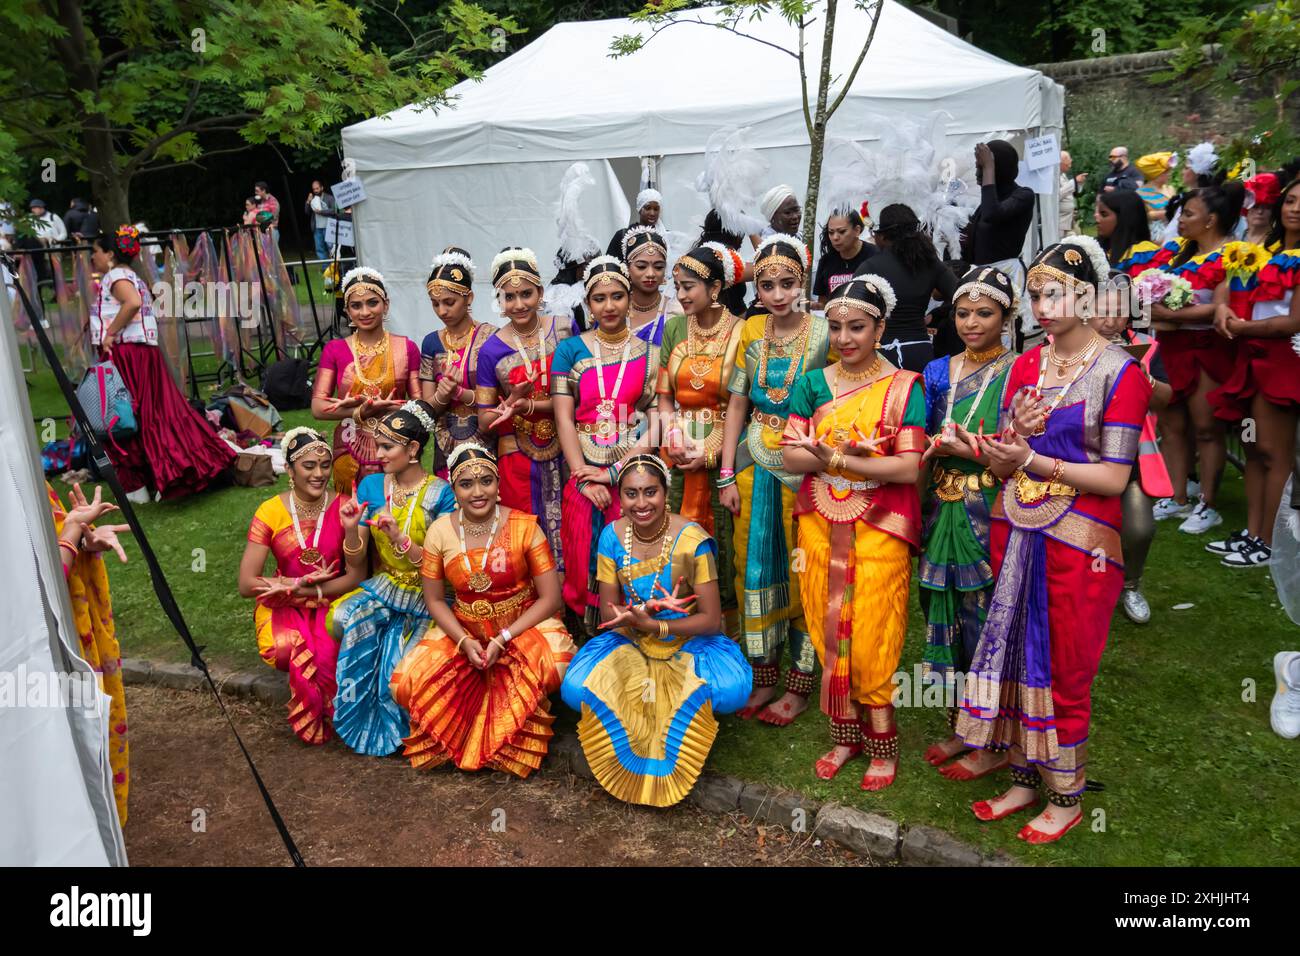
(1258, 50)
(170, 81)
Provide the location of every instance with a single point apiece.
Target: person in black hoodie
(81, 220)
(996, 231)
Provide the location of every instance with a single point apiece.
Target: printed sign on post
(338, 230)
(1042, 151)
(348, 193)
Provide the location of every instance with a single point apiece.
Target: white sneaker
(1256, 554)
(139, 497)
(1284, 712)
(1202, 519)
(1168, 508)
(1135, 606)
(1234, 542)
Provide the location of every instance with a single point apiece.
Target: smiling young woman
(646, 255)
(476, 686)
(777, 347)
(963, 395)
(302, 529)
(648, 687)
(376, 623)
(363, 376)
(514, 395)
(855, 434)
(602, 381)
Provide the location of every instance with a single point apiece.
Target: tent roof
(563, 97)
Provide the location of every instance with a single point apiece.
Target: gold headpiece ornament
(771, 256)
(473, 467)
(363, 279)
(638, 463)
(984, 285)
(317, 443)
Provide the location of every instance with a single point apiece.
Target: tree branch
(150, 149)
(875, 19)
(803, 83)
(193, 162)
(730, 28)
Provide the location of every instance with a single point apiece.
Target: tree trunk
(817, 140)
(109, 187)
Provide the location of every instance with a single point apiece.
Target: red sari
(291, 632)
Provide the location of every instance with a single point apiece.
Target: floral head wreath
(991, 282)
(363, 279)
(639, 463)
(871, 293)
(301, 440)
(639, 238)
(782, 250)
(476, 466)
(724, 263)
(127, 241)
(605, 269)
(515, 266)
(453, 271)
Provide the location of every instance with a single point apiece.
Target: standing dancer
(601, 380)
(649, 686)
(514, 397)
(477, 685)
(301, 527)
(777, 346)
(646, 255)
(856, 433)
(698, 357)
(449, 356)
(963, 393)
(1071, 420)
(361, 377)
(379, 622)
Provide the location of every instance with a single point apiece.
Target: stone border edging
(871, 835)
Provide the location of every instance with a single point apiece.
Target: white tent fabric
(56, 792)
(486, 171)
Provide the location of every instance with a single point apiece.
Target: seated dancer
(856, 433)
(476, 686)
(377, 623)
(963, 395)
(513, 392)
(361, 377)
(1071, 420)
(449, 356)
(602, 380)
(649, 748)
(699, 354)
(301, 528)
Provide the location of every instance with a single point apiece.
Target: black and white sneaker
(1235, 542)
(1256, 554)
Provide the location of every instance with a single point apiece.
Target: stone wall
(1178, 111)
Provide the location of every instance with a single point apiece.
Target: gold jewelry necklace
(771, 344)
(840, 433)
(613, 339)
(309, 555)
(452, 345)
(979, 358)
(399, 495)
(479, 580)
(625, 572)
(649, 308)
(541, 350)
(370, 387)
(700, 362)
(653, 536)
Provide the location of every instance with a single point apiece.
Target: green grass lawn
(1193, 773)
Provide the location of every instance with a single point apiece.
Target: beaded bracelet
(725, 481)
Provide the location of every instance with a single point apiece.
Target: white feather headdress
(576, 241)
(453, 259)
(1202, 158)
(360, 272)
(733, 178)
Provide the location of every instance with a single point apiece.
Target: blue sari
(380, 621)
(648, 704)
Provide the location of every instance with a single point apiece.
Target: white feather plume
(734, 176)
(906, 162)
(604, 261)
(1202, 158)
(576, 241)
(561, 299)
(788, 240)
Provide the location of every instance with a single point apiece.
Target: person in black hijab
(996, 231)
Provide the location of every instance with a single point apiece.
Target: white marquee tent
(485, 172)
(56, 790)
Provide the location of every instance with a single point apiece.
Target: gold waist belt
(1030, 490)
(774, 422)
(542, 430)
(484, 610)
(605, 426)
(705, 416)
(951, 484)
